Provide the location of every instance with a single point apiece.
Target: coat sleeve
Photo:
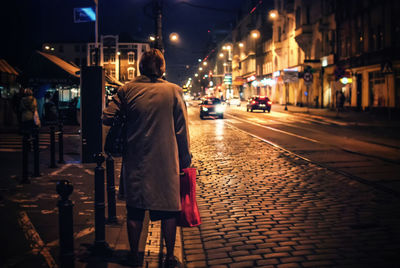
(113, 108)
(182, 131)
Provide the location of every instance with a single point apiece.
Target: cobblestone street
(261, 206)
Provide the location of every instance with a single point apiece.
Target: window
(131, 73)
(112, 58)
(113, 73)
(106, 58)
(131, 57)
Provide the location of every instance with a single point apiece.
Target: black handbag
(115, 143)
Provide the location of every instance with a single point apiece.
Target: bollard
(100, 247)
(25, 158)
(60, 144)
(65, 222)
(112, 218)
(52, 148)
(36, 163)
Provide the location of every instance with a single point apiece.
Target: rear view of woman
(157, 149)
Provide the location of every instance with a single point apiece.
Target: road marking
(277, 130)
(37, 243)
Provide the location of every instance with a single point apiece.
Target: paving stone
(279, 202)
(195, 257)
(242, 264)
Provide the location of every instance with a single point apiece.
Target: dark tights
(168, 227)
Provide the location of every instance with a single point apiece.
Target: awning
(71, 69)
(111, 81)
(7, 68)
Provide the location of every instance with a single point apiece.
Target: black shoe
(171, 263)
(133, 261)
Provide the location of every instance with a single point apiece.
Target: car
(259, 103)
(211, 106)
(234, 101)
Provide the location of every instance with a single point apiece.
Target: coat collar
(145, 79)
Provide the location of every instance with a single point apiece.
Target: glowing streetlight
(47, 47)
(196, 75)
(221, 55)
(174, 37)
(152, 38)
(200, 68)
(255, 34)
(199, 60)
(273, 14)
(241, 45)
(205, 63)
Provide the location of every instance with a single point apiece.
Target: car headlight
(204, 109)
(219, 109)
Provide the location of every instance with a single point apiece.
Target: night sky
(27, 24)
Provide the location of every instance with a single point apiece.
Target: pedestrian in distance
(157, 149)
(29, 115)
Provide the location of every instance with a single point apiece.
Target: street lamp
(174, 37)
(255, 34)
(273, 14)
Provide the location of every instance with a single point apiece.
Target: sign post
(308, 80)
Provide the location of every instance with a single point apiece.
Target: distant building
(119, 59)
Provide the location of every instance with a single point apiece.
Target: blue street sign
(84, 14)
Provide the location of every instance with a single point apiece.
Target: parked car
(211, 106)
(259, 103)
(235, 101)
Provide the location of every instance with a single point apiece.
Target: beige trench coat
(158, 142)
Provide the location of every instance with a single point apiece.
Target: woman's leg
(169, 231)
(134, 230)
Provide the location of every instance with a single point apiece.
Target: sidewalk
(244, 224)
(32, 214)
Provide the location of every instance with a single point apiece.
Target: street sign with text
(84, 14)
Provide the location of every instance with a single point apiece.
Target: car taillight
(253, 102)
(270, 102)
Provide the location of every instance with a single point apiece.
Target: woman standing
(157, 149)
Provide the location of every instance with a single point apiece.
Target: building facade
(349, 48)
(119, 59)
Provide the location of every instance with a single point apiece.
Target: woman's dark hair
(152, 63)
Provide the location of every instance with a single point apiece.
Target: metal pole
(322, 86)
(286, 95)
(308, 97)
(96, 60)
(100, 247)
(112, 218)
(158, 24)
(36, 163)
(65, 222)
(25, 159)
(60, 144)
(52, 148)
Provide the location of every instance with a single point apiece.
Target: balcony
(303, 36)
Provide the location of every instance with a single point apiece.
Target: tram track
(333, 169)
